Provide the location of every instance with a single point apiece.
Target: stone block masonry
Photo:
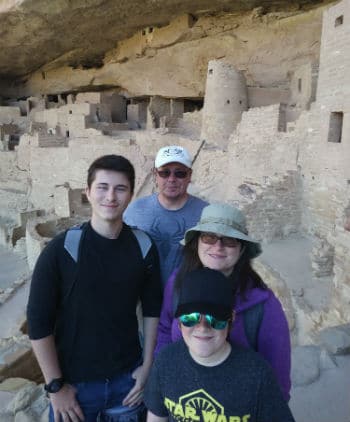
(333, 89)
(275, 213)
(9, 115)
(225, 100)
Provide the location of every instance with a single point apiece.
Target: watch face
(55, 385)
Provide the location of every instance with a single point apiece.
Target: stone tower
(225, 100)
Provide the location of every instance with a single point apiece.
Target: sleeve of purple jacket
(166, 315)
(274, 342)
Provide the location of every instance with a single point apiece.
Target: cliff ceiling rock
(78, 33)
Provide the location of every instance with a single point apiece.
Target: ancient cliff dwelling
(259, 93)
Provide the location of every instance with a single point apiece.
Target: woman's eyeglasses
(211, 239)
(179, 174)
(190, 320)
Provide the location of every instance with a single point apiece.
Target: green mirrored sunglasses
(190, 320)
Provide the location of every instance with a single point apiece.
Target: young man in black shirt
(82, 312)
(203, 378)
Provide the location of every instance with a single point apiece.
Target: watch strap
(54, 385)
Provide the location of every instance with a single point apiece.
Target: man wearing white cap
(166, 215)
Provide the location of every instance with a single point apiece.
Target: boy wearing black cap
(203, 378)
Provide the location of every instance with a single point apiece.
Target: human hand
(135, 395)
(65, 406)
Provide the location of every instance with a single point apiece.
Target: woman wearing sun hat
(220, 241)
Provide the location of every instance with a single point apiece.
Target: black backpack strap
(252, 320)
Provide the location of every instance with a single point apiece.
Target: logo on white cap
(173, 151)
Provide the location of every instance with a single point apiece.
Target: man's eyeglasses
(179, 174)
(190, 320)
(211, 239)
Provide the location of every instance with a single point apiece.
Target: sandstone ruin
(259, 96)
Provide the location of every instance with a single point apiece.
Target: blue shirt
(166, 227)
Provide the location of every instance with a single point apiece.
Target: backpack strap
(73, 237)
(144, 241)
(175, 300)
(252, 318)
(72, 241)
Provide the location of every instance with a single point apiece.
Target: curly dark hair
(243, 276)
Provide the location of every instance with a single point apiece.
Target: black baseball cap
(206, 291)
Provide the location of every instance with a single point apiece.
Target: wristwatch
(54, 386)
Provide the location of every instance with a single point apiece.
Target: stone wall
(9, 114)
(256, 151)
(225, 100)
(49, 168)
(333, 85)
(275, 212)
(303, 85)
(158, 107)
(10, 176)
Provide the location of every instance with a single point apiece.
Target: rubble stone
(305, 365)
(24, 397)
(336, 339)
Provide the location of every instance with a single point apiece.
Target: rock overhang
(35, 33)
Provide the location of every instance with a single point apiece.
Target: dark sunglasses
(211, 239)
(179, 174)
(190, 320)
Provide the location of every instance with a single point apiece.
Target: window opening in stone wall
(228, 101)
(67, 133)
(339, 21)
(282, 118)
(335, 127)
(13, 142)
(52, 98)
(193, 105)
(210, 71)
(299, 85)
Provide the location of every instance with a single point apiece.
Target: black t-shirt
(90, 306)
(240, 389)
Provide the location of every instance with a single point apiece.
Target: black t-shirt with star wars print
(240, 389)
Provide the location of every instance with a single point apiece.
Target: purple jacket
(273, 337)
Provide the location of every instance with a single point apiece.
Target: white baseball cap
(173, 154)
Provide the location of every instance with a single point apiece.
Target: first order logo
(199, 406)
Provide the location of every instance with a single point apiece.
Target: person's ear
(190, 174)
(87, 193)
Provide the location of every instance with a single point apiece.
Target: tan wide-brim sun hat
(225, 220)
